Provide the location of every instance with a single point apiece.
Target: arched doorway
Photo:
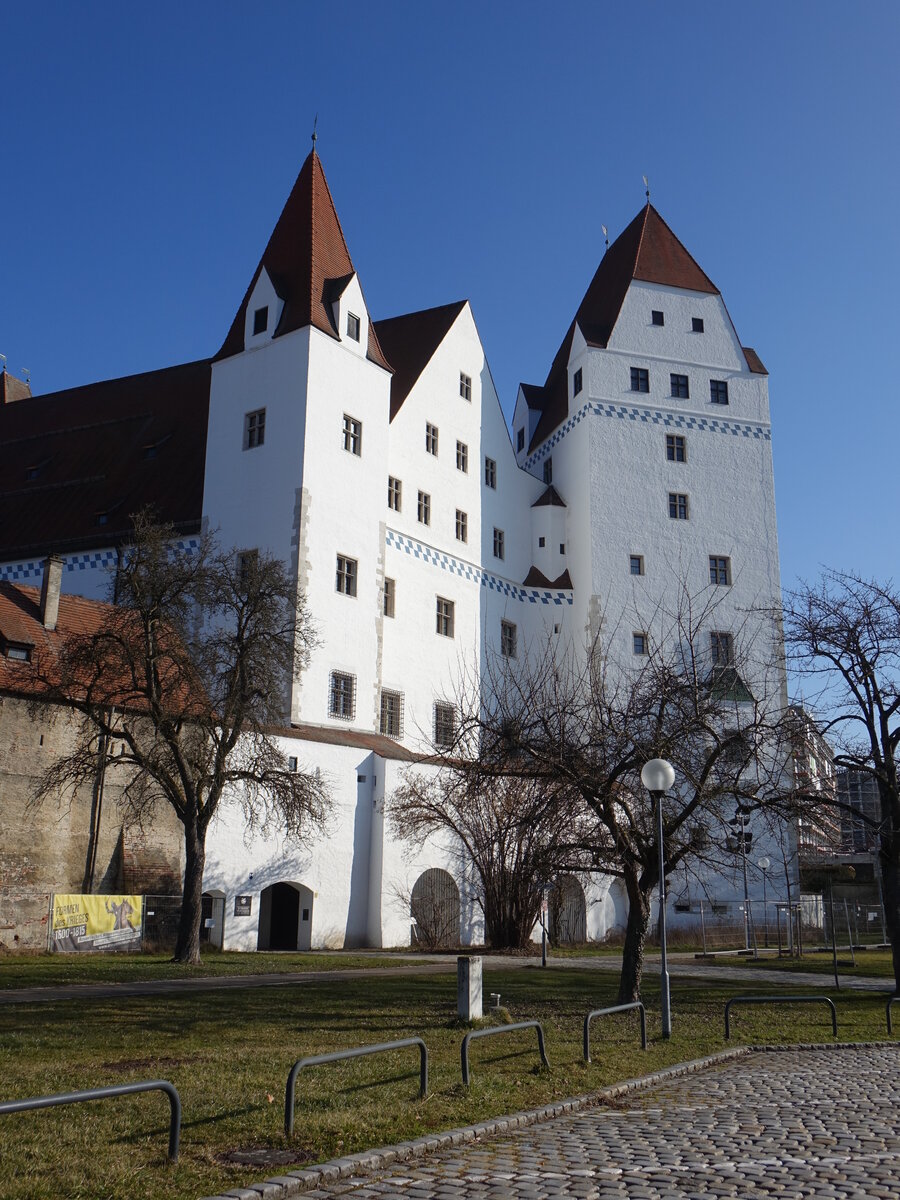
(285, 917)
(212, 919)
(568, 912)
(434, 910)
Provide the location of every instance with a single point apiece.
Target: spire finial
(646, 188)
(315, 137)
(605, 238)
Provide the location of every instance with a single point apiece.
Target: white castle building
(374, 458)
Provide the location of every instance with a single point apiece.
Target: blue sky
(474, 150)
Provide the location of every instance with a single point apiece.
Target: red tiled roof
(409, 341)
(754, 362)
(538, 579)
(304, 256)
(106, 449)
(550, 496)
(648, 250)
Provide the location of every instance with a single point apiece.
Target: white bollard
(468, 988)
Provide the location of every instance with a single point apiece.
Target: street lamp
(764, 864)
(657, 776)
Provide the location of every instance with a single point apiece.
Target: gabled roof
(305, 256)
(647, 250)
(74, 465)
(409, 341)
(550, 496)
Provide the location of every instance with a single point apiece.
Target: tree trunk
(890, 889)
(635, 934)
(187, 944)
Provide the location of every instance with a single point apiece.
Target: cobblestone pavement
(795, 1124)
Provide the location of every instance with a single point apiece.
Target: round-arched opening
(285, 917)
(434, 910)
(212, 918)
(567, 912)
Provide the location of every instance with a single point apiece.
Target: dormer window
(576, 382)
(520, 441)
(261, 320)
(17, 651)
(353, 326)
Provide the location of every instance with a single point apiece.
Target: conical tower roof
(305, 257)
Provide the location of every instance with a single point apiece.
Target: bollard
(468, 988)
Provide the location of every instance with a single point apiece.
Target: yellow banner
(82, 923)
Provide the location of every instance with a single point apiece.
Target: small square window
(542, 542)
(490, 473)
(718, 391)
(657, 317)
(680, 388)
(261, 320)
(548, 470)
(508, 636)
(462, 526)
(292, 764)
(696, 324)
(639, 643)
(676, 448)
(395, 493)
(342, 696)
(391, 723)
(345, 580)
(462, 457)
(444, 725)
(352, 435)
(721, 648)
(423, 508)
(636, 564)
(431, 438)
(499, 540)
(719, 570)
(444, 617)
(640, 379)
(465, 386)
(577, 382)
(390, 594)
(353, 326)
(254, 429)
(520, 441)
(678, 506)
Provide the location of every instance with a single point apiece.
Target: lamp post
(657, 776)
(764, 864)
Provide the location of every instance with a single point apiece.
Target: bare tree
(570, 731)
(843, 634)
(186, 676)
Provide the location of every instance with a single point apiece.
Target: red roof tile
(754, 362)
(409, 341)
(306, 253)
(75, 465)
(12, 388)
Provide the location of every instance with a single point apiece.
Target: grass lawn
(229, 1052)
(53, 970)
(875, 963)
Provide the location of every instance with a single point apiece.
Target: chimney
(50, 591)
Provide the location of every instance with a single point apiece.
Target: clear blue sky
(473, 150)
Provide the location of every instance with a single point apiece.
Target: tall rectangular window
(254, 428)
(423, 508)
(465, 386)
(490, 472)
(639, 643)
(548, 470)
(508, 638)
(431, 438)
(718, 391)
(247, 562)
(676, 448)
(719, 570)
(261, 320)
(346, 575)
(352, 435)
(678, 506)
(462, 457)
(680, 389)
(353, 326)
(721, 648)
(395, 493)
(499, 543)
(636, 564)
(444, 725)
(520, 440)
(444, 617)
(391, 724)
(342, 696)
(462, 526)
(390, 594)
(640, 379)
(577, 382)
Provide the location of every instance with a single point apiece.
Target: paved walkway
(793, 1124)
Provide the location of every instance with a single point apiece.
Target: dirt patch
(262, 1156)
(139, 1064)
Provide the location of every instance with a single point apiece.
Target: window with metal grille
(444, 614)
(391, 724)
(431, 438)
(676, 448)
(254, 429)
(719, 570)
(678, 506)
(345, 581)
(423, 508)
(342, 696)
(444, 725)
(462, 526)
(462, 456)
(352, 435)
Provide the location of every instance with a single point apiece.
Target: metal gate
(434, 910)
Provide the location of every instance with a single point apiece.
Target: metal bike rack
(603, 1012)
(482, 1033)
(780, 1000)
(887, 1012)
(124, 1089)
(340, 1056)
